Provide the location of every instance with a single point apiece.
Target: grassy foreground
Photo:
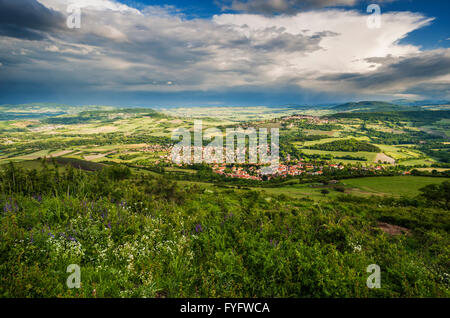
(144, 236)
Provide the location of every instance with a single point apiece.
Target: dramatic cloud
(27, 19)
(156, 50)
(397, 75)
(285, 6)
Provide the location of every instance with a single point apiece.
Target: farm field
(395, 186)
(235, 114)
(407, 186)
(74, 135)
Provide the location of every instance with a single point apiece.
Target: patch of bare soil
(97, 156)
(60, 154)
(383, 158)
(393, 229)
(23, 124)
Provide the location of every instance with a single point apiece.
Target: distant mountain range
(397, 105)
(406, 102)
(41, 110)
(370, 106)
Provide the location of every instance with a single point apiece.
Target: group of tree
(347, 145)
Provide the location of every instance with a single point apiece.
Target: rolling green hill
(42, 110)
(369, 106)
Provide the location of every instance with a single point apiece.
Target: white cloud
(353, 43)
(123, 49)
(98, 5)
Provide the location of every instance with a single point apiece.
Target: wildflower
(198, 228)
(38, 198)
(7, 207)
(274, 242)
(230, 215)
(356, 247)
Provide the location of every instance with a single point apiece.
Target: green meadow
(396, 186)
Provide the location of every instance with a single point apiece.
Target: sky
(166, 53)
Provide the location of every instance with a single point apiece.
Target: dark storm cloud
(15, 31)
(276, 39)
(419, 68)
(27, 19)
(431, 90)
(285, 6)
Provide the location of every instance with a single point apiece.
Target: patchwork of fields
(131, 137)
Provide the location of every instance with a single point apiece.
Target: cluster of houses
(212, 155)
(238, 172)
(310, 119)
(253, 172)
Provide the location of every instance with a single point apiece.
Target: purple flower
(198, 228)
(230, 215)
(7, 207)
(38, 198)
(274, 242)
